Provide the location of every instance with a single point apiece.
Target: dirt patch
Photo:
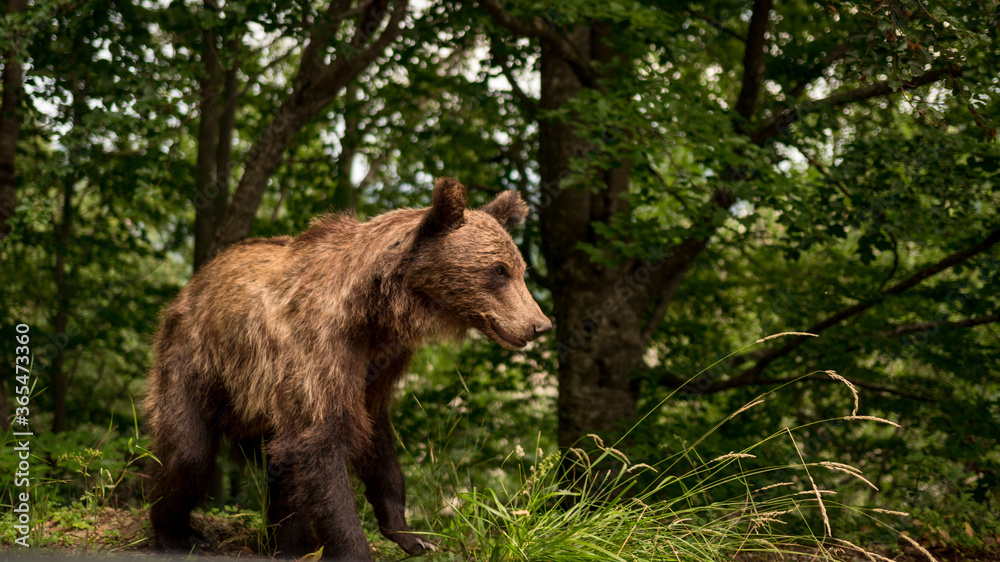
(127, 532)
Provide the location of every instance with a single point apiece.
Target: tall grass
(591, 502)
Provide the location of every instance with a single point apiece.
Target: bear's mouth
(506, 336)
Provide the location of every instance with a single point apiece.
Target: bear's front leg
(385, 490)
(319, 487)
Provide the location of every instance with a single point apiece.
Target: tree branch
(664, 185)
(895, 260)
(319, 39)
(656, 317)
(752, 374)
(928, 326)
(372, 15)
(753, 59)
(868, 386)
(892, 332)
(529, 103)
(673, 380)
(252, 79)
(316, 85)
(373, 166)
(346, 68)
(354, 12)
(667, 278)
(779, 122)
(716, 24)
(815, 72)
(538, 28)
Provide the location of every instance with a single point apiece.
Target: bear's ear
(447, 210)
(508, 209)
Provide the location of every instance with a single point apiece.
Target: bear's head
(464, 260)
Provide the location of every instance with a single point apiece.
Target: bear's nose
(542, 326)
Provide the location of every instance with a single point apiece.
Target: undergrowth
(591, 502)
(587, 502)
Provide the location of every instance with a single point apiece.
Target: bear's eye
(501, 271)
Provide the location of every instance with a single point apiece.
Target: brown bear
(301, 341)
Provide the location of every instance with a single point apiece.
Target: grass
(596, 504)
(588, 502)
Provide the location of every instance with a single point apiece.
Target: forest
(766, 234)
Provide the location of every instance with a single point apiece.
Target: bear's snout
(542, 326)
(523, 322)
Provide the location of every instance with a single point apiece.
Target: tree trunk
(208, 190)
(604, 316)
(597, 315)
(10, 128)
(10, 125)
(64, 269)
(227, 125)
(61, 320)
(597, 354)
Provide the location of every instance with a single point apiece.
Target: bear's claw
(413, 544)
(427, 545)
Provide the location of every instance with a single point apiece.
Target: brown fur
(303, 340)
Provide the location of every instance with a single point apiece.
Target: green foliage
(85, 488)
(834, 210)
(88, 465)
